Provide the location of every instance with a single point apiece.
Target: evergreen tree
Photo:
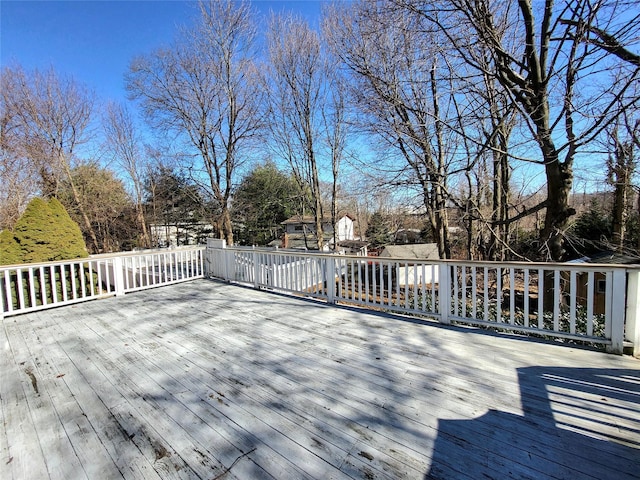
(379, 230)
(45, 232)
(9, 249)
(265, 198)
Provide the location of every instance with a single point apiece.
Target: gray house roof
(427, 251)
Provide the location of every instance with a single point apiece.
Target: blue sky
(94, 41)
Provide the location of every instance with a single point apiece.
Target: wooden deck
(209, 380)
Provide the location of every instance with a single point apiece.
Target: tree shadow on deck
(225, 379)
(577, 423)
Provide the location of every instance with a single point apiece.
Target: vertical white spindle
(455, 289)
(573, 294)
(556, 300)
(21, 300)
(486, 293)
(32, 287)
(474, 293)
(53, 284)
(512, 295)
(541, 287)
(525, 306)
(590, 295)
(43, 286)
(444, 291)
(74, 283)
(499, 295)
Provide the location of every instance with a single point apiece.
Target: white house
(300, 231)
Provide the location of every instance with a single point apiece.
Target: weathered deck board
(209, 380)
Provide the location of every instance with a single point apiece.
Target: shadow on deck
(570, 428)
(206, 380)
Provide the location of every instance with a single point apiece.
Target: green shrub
(44, 233)
(9, 249)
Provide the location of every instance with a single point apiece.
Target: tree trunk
(145, 240)
(226, 227)
(559, 180)
(95, 247)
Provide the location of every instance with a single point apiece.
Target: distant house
(421, 251)
(186, 233)
(407, 235)
(300, 231)
(599, 279)
(405, 271)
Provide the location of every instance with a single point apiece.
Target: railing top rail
(184, 248)
(281, 251)
(575, 266)
(46, 264)
(101, 256)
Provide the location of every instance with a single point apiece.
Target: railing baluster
(423, 286)
(525, 306)
(53, 284)
(486, 294)
(8, 292)
(74, 283)
(43, 286)
(463, 290)
(512, 296)
(366, 283)
(406, 285)
(92, 290)
(374, 280)
(590, 291)
(416, 279)
(572, 301)
(99, 267)
(608, 307)
(32, 287)
(474, 293)
(540, 299)
(389, 284)
(556, 300)
(434, 307)
(499, 295)
(21, 302)
(455, 290)
(83, 281)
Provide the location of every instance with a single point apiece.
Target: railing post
(256, 268)
(330, 269)
(118, 276)
(444, 293)
(633, 310)
(618, 288)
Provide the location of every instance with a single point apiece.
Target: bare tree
(125, 144)
(205, 89)
(398, 75)
(297, 92)
(337, 127)
(624, 142)
(18, 179)
(486, 118)
(53, 116)
(554, 60)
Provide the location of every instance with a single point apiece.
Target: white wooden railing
(29, 287)
(590, 303)
(585, 302)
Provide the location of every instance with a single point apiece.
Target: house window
(298, 228)
(601, 285)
